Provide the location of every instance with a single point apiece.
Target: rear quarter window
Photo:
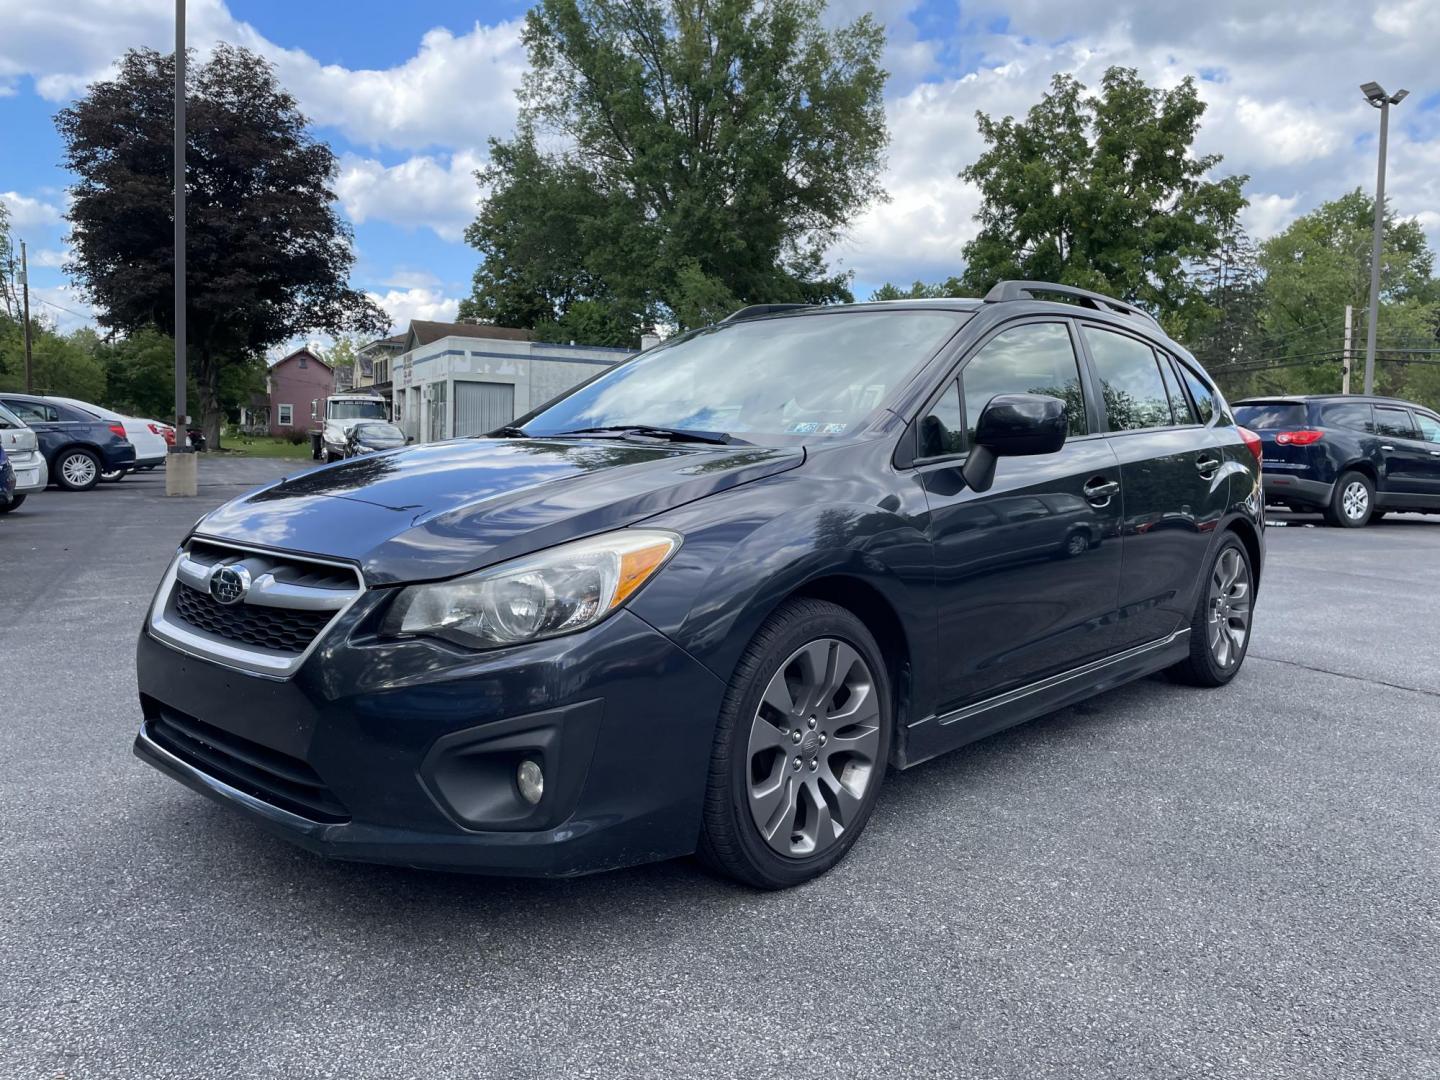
(1354, 417)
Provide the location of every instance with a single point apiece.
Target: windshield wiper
(717, 438)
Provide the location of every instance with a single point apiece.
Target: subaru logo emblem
(229, 584)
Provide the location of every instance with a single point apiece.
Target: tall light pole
(180, 464)
(1376, 95)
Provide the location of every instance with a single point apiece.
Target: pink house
(293, 383)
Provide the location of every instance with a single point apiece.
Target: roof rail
(756, 311)
(1026, 290)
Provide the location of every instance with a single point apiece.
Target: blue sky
(407, 95)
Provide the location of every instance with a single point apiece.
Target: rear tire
(811, 688)
(1352, 503)
(13, 504)
(77, 470)
(112, 477)
(1220, 626)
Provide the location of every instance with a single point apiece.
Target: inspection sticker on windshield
(814, 427)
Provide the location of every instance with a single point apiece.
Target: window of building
(304, 361)
(285, 415)
(1130, 381)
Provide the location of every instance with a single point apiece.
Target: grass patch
(268, 447)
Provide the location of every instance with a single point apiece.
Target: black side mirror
(1014, 425)
(409, 439)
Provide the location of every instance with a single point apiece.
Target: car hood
(435, 511)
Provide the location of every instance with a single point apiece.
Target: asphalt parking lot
(1163, 882)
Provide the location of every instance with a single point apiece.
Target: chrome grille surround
(297, 594)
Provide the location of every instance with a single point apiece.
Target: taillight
(118, 429)
(1299, 438)
(156, 429)
(1252, 441)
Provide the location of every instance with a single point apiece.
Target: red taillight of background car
(165, 431)
(1303, 437)
(118, 429)
(1253, 442)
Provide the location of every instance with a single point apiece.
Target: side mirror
(1014, 425)
(409, 439)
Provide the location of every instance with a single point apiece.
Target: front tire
(1220, 627)
(1352, 503)
(800, 749)
(77, 470)
(14, 504)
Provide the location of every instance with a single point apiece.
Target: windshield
(357, 410)
(1270, 414)
(9, 420)
(779, 380)
(378, 432)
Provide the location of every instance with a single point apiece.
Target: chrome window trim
(250, 660)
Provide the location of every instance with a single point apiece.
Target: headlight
(558, 591)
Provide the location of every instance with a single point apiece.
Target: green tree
(1102, 192)
(951, 286)
(64, 364)
(341, 357)
(268, 255)
(713, 153)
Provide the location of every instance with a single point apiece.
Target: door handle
(1099, 490)
(1387, 448)
(1207, 465)
(1435, 453)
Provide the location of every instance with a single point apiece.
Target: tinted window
(1356, 417)
(1130, 381)
(1178, 405)
(8, 419)
(34, 411)
(1036, 358)
(1270, 415)
(1429, 427)
(1200, 393)
(1395, 422)
(943, 432)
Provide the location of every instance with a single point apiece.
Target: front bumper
(405, 752)
(1295, 490)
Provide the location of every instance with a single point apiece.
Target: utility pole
(25, 291)
(1376, 95)
(180, 464)
(1345, 379)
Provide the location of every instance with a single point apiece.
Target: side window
(942, 431)
(1393, 422)
(31, 412)
(1033, 358)
(1130, 381)
(1429, 427)
(1355, 417)
(1178, 405)
(1202, 395)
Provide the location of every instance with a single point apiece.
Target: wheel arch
(1250, 537)
(874, 609)
(1363, 466)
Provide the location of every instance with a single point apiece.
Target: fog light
(530, 780)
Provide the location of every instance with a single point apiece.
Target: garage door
(482, 407)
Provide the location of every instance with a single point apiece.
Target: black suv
(78, 446)
(1350, 456)
(705, 600)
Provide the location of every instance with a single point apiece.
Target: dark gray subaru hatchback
(706, 600)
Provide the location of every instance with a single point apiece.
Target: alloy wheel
(813, 746)
(78, 469)
(1355, 500)
(1228, 621)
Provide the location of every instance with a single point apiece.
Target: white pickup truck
(334, 416)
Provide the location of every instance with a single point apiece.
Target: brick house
(292, 384)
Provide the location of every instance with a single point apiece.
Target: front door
(1026, 573)
(1405, 456)
(1176, 488)
(1429, 427)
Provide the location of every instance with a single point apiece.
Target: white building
(456, 379)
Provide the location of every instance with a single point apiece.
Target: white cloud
(61, 307)
(402, 305)
(1269, 214)
(30, 213)
(422, 192)
(49, 258)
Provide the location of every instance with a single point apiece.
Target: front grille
(280, 629)
(266, 774)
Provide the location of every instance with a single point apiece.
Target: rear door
(1405, 456)
(1173, 486)
(1026, 573)
(1429, 426)
(44, 420)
